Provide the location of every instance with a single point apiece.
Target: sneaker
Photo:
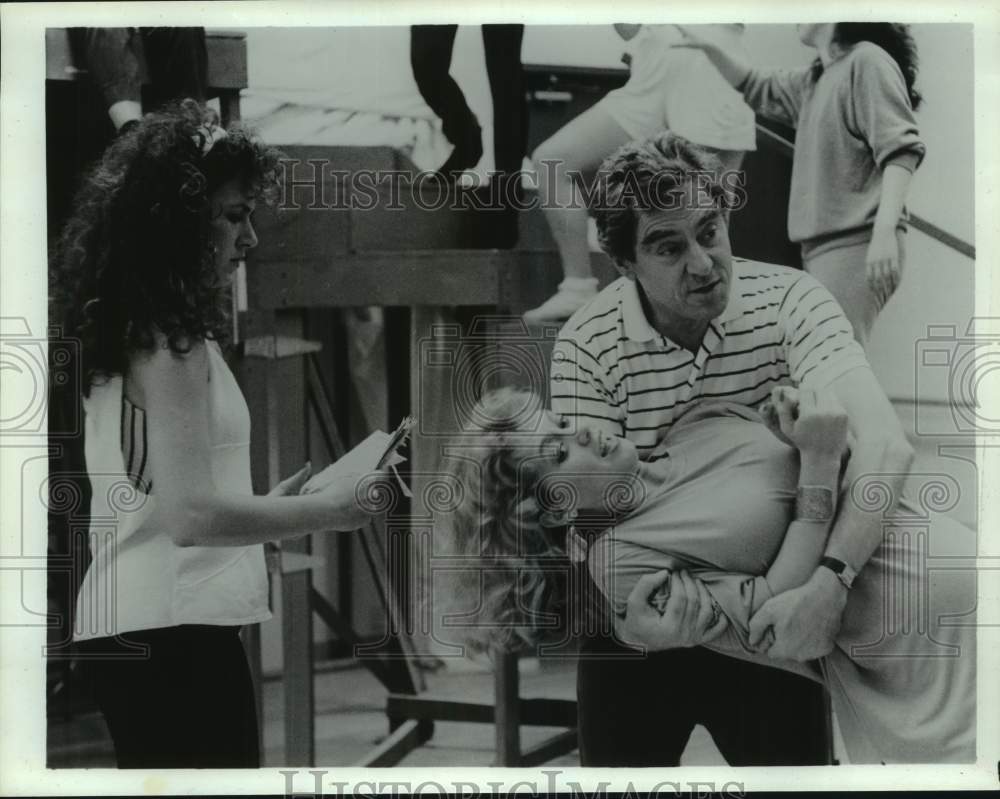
(573, 294)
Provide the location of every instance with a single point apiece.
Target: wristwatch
(844, 572)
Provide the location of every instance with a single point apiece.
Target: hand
(803, 621)
(694, 37)
(355, 497)
(291, 486)
(627, 30)
(883, 265)
(814, 423)
(687, 618)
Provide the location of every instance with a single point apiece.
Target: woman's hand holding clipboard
(378, 452)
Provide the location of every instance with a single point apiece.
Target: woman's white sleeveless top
(138, 578)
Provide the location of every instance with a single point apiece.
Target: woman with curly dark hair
(142, 278)
(856, 148)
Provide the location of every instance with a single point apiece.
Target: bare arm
(775, 93)
(806, 620)
(882, 259)
(895, 186)
(817, 427)
(733, 66)
(881, 451)
(189, 504)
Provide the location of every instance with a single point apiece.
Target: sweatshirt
(850, 124)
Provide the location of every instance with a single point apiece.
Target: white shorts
(680, 90)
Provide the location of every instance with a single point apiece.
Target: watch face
(844, 572)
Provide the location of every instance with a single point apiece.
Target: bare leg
(580, 146)
(576, 149)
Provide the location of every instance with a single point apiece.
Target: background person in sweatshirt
(856, 148)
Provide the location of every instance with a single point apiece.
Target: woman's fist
(814, 423)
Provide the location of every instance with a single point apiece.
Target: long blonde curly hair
(509, 589)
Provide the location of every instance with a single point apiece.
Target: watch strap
(844, 573)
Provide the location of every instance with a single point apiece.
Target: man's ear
(625, 268)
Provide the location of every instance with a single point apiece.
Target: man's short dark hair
(655, 173)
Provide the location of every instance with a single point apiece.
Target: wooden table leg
(300, 705)
(508, 709)
(229, 106)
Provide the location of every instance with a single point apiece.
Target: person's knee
(553, 165)
(545, 155)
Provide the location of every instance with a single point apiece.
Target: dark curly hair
(135, 259)
(641, 176)
(893, 37)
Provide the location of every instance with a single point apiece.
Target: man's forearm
(880, 466)
(881, 455)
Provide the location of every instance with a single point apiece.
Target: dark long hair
(135, 259)
(893, 37)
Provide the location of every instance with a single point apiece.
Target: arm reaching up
(731, 63)
(774, 93)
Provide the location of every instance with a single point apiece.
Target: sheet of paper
(360, 460)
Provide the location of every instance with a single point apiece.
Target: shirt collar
(637, 327)
(734, 308)
(635, 324)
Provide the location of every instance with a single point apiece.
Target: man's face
(683, 262)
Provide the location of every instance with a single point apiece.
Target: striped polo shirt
(613, 371)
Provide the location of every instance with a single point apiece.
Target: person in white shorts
(668, 88)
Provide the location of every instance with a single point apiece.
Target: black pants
(639, 711)
(430, 56)
(188, 703)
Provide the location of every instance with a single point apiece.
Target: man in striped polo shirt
(687, 323)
